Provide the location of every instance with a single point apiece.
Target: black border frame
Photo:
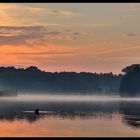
(68, 1)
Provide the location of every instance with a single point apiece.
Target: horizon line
(68, 71)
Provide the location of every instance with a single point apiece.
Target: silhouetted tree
(130, 84)
(33, 79)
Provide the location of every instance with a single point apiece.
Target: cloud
(48, 11)
(37, 35)
(94, 25)
(118, 50)
(65, 13)
(130, 35)
(76, 33)
(53, 33)
(18, 30)
(27, 14)
(42, 53)
(13, 35)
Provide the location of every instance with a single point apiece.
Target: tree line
(32, 79)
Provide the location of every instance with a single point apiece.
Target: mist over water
(68, 98)
(73, 112)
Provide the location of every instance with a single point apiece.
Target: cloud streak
(41, 53)
(37, 35)
(23, 35)
(30, 14)
(118, 50)
(130, 35)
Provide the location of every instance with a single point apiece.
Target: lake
(68, 116)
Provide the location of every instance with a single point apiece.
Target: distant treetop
(130, 84)
(131, 68)
(33, 68)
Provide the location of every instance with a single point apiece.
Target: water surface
(69, 116)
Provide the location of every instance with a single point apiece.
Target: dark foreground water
(69, 116)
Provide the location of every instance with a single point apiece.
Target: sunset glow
(94, 37)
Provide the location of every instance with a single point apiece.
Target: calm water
(69, 116)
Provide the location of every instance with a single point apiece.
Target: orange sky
(70, 37)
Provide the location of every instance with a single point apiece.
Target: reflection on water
(104, 114)
(131, 113)
(19, 110)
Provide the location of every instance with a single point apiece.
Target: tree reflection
(66, 110)
(13, 110)
(131, 113)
